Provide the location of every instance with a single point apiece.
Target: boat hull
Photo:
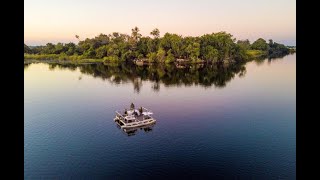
(134, 124)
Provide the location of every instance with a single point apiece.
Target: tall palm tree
(155, 33)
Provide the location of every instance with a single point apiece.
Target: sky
(60, 20)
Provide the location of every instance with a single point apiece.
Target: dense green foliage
(116, 47)
(260, 44)
(252, 53)
(27, 49)
(275, 49)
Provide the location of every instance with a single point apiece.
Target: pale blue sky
(59, 20)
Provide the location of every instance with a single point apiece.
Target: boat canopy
(147, 113)
(131, 112)
(131, 117)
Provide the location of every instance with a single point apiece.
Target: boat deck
(138, 122)
(139, 118)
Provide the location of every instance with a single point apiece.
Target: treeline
(115, 47)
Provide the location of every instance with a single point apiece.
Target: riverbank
(57, 58)
(256, 54)
(51, 61)
(77, 59)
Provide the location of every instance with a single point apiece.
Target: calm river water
(226, 122)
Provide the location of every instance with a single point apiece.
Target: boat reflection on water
(134, 131)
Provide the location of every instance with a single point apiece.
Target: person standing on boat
(132, 106)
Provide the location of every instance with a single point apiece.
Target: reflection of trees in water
(169, 75)
(156, 86)
(137, 84)
(277, 56)
(26, 65)
(261, 60)
(71, 67)
(243, 71)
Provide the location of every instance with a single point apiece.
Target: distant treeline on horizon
(118, 47)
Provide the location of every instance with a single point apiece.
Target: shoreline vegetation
(214, 48)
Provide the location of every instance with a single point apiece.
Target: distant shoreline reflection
(169, 75)
(133, 131)
(205, 75)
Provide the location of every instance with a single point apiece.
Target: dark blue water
(245, 129)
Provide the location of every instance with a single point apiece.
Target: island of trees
(218, 47)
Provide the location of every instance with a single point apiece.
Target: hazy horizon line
(43, 42)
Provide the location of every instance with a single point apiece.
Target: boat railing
(119, 114)
(146, 110)
(131, 116)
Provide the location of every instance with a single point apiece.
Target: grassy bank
(79, 59)
(58, 58)
(255, 53)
